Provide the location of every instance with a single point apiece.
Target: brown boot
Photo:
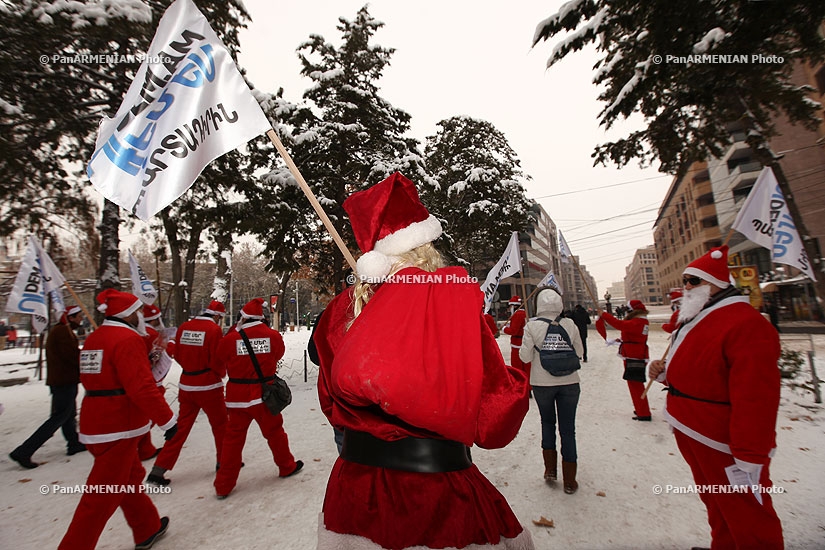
(550, 464)
(568, 471)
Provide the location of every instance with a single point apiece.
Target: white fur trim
(706, 276)
(373, 267)
(330, 540)
(716, 255)
(410, 237)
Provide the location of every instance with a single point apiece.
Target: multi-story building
(616, 294)
(578, 286)
(642, 280)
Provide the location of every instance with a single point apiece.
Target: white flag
(765, 220)
(38, 276)
(142, 286)
(509, 264)
(187, 105)
(564, 250)
(550, 280)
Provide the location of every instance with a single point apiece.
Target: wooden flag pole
(79, 303)
(650, 382)
(311, 196)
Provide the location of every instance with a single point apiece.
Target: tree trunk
(108, 274)
(171, 228)
(189, 270)
(223, 273)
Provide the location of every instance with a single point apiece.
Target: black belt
(105, 393)
(673, 391)
(194, 372)
(411, 454)
(251, 380)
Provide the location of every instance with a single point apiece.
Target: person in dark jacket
(62, 377)
(582, 319)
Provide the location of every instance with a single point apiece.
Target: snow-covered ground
(620, 461)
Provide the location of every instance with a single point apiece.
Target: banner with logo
(37, 278)
(142, 286)
(509, 264)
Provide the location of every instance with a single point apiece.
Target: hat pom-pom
(716, 254)
(373, 267)
(102, 308)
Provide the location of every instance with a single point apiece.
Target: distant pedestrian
(243, 397)
(515, 328)
(582, 319)
(120, 403)
(62, 377)
(12, 337)
(633, 351)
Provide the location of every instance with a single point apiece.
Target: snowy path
(618, 457)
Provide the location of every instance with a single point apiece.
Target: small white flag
(765, 220)
(187, 105)
(37, 278)
(564, 250)
(551, 281)
(509, 264)
(142, 286)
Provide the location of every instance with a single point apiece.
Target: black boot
(148, 543)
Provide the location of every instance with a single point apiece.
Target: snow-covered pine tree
(478, 196)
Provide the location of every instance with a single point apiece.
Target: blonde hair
(425, 257)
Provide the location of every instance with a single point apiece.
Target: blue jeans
(63, 413)
(564, 400)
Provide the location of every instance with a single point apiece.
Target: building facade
(642, 278)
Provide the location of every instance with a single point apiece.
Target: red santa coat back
(114, 358)
(728, 354)
(634, 335)
(196, 348)
(515, 327)
(269, 348)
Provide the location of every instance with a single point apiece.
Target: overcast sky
(463, 57)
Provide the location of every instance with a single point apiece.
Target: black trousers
(63, 416)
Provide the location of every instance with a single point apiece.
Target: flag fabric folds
(509, 264)
(564, 250)
(187, 105)
(551, 281)
(38, 278)
(142, 286)
(765, 220)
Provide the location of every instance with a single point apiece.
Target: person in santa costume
(200, 387)
(633, 351)
(243, 396)
(154, 346)
(723, 397)
(675, 296)
(119, 406)
(515, 328)
(411, 372)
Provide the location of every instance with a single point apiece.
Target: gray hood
(549, 304)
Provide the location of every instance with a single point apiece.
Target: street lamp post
(297, 317)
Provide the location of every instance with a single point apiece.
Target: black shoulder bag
(276, 395)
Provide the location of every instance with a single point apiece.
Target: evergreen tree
(478, 196)
(344, 137)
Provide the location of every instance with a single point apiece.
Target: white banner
(550, 280)
(187, 105)
(38, 276)
(564, 250)
(142, 286)
(509, 264)
(765, 220)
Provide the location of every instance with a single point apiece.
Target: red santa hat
(254, 309)
(115, 303)
(636, 305)
(675, 295)
(215, 308)
(151, 312)
(387, 220)
(73, 310)
(515, 301)
(712, 267)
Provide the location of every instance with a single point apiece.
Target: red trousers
(191, 402)
(737, 520)
(147, 449)
(116, 464)
(516, 362)
(272, 428)
(640, 406)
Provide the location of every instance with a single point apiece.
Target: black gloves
(170, 433)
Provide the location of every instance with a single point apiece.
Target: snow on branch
(566, 9)
(630, 85)
(591, 28)
(709, 41)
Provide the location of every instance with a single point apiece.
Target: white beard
(693, 301)
(141, 327)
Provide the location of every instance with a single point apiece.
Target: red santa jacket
(196, 350)
(515, 328)
(269, 348)
(673, 323)
(422, 354)
(634, 335)
(114, 360)
(728, 355)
